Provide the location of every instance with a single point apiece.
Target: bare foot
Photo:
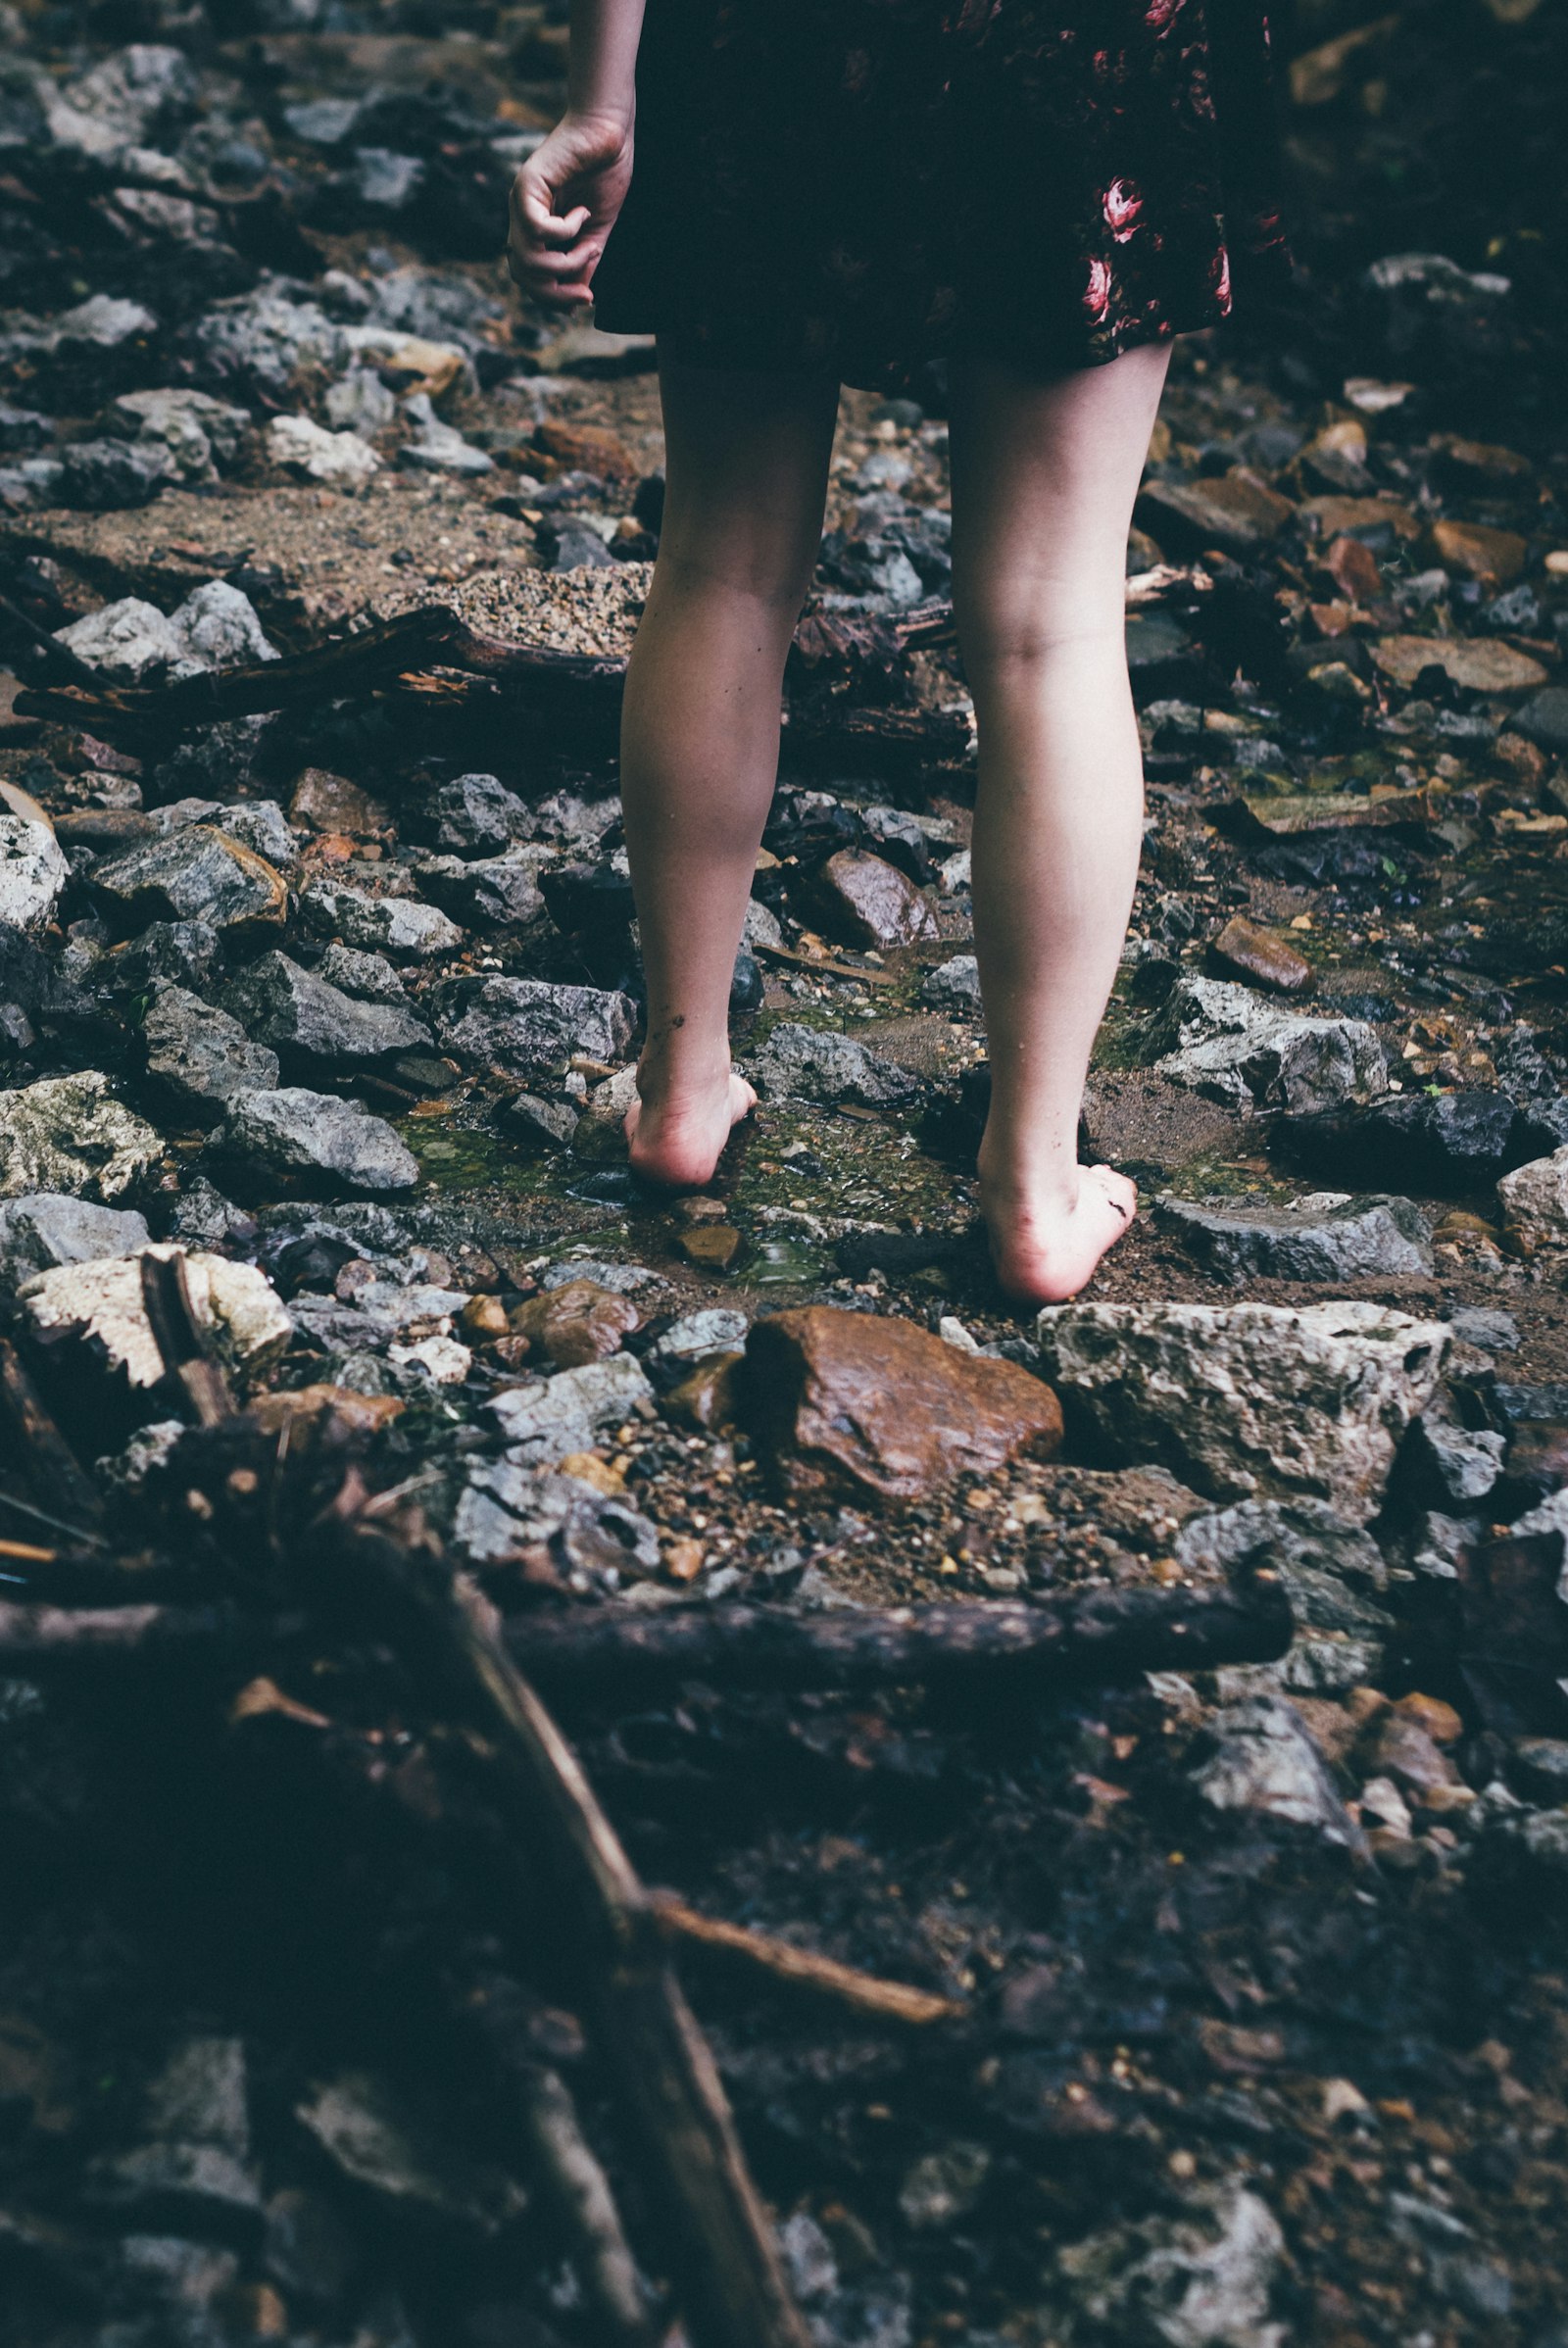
(1045, 1254)
(678, 1139)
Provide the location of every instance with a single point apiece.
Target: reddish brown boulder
(863, 1404)
(575, 1324)
(586, 448)
(1263, 954)
(866, 901)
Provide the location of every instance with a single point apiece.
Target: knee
(774, 577)
(1003, 638)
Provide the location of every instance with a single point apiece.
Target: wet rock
(1263, 955)
(200, 1058)
(381, 2149)
(1199, 2279)
(43, 1229)
(1225, 1041)
(312, 1139)
(1243, 1399)
(807, 1063)
(1535, 1203)
(476, 816)
(524, 1025)
(510, 1515)
(69, 1134)
(400, 925)
(298, 446)
(500, 892)
(576, 1323)
(1258, 1756)
(1229, 510)
(540, 1124)
(867, 901)
(953, 986)
(1334, 1240)
(546, 1422)
(196, 874)
(313, 1027)
(34, 873)
(1457, 1142)
(98, 1308)
(874, 1406)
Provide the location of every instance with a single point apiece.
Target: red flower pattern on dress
(868, 185)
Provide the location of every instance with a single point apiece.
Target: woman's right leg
(745, 469)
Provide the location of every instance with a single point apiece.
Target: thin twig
(802, 1968)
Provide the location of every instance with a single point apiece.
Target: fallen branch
(1096, 1635)
(34, 1636)
(802, 1968)
(51, 1463)
(181, 1337)
(724, 2262)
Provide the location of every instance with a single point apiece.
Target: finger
(561, 265)
(534, 199)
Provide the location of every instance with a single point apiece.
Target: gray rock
(33, 872)
(490, 890)
(505, 1510)
(384, 182)
(569, 1411)
(1243, 1399)
(1230, 1045)
(401, 925)
(34, 481)
(218, 628)
(125, 100)
(540, 1124)
(313, 1026)
(258, 824)
(44, 1229)
(384, 2150)
(262, 339)
(195, 2187)
(201, 1057)
(622, 1280)
(695, 1334)
(69, 1134)
(1535, 1203)
(314, 1138)
(1482, 1325)
(370, 976)
(1259, 1757)
(1458, 1464)
(382, 1313)
(441, 450)
(198, 432)
(24, 428)
(1544, 719)
(477, 816)
(1201, 2280)
(173, 954)
(953, 985)
(761, 926)
(197, 874)
(1326, 1567)
(108, 476)
(524, 1025)
(200, 2096)
(807, 1063)
(1362, 1239)
(205, 1218)
(360, 402)
(128, 641)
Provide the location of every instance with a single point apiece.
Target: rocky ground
(1260, 2030)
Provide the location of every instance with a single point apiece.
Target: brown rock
(578, 1323)
(1263, 954)
(1475, 461)
(1229, 510)
(1479, 552)
(586, 448)
(1354, 569)
(706, 1399)
(710, 1247)
(684, 1559)
(1481, 662)
(876, 1407)
(330, 803)
(1441, 1723)
(1410, 1755)
(483, 1319)
(1348, 516)
(366, 1412)
(868, 903)
(1296, 812)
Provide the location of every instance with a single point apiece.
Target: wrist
(603, 115)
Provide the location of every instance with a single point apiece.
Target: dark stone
(1365, 1239)
(109, 476)
(313, 1026)
(567, 544)
(199, 1057)
(1543, 718)
(1457, 1142)
(477, 816)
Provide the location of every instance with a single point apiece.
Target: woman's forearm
(604, 56)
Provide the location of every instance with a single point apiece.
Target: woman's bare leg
(1045, 471)
(746, 469)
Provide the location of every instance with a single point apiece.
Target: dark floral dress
(862, 185)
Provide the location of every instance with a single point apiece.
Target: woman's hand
(565, 202)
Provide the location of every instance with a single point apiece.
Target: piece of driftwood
(1089, 1637)
(180, 1339)
(34, 1636)
(803, 1968)
(722, 2258)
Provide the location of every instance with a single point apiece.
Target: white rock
(303, 446)
(126, 640)
(217, 627)
(1199, 2279)
(569, 1411)
(360, 402)
(1227, 1042)
(69, 1134)
(100, 1306)
(33, 872)
(1535, 1203)
(442, 1359)
(1243, 1399)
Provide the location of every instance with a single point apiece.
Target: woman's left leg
(746, 466)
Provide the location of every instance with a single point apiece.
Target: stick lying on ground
(802, 1968)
